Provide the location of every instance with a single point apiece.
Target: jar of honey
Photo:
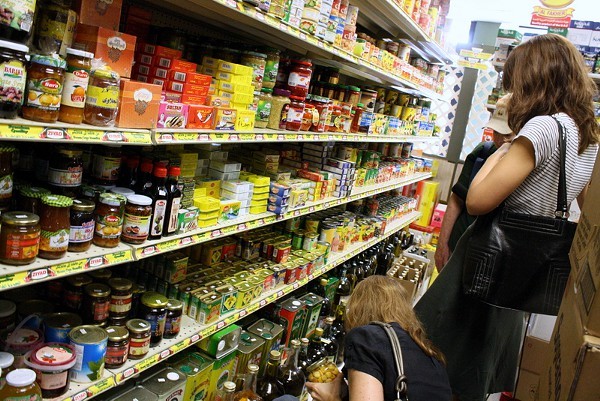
(77, 77)
(55, 224)
(102, 102)
(19, 238)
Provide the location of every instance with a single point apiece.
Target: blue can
(58, 325)
(90, 347)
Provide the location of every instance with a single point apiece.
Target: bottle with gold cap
(269, 387)
(248, 393)
(290, 375)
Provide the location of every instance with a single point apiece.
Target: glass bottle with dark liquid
(269, 387)
(291, 376)
(248, 393)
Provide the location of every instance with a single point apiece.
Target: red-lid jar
(52, 362)
(299, 78)
(295, 114)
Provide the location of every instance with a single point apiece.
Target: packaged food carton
(102, 13)
(172, 115)
(138, 104)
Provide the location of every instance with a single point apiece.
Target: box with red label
(183, 65)
(138, 104)
(180, 87)
(193, 99)
(114, 48)
(104, 13)
(159, 72)
(200, 116)
(173, 97)
(155, 50)
(158, 81)
(172, 115)
(140, 77)
(225, 119)
(438, 215)
(193, 78)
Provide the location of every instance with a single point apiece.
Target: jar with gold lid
(19, 238)
(117, 349)
(82, 225)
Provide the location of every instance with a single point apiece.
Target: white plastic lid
(141, 200)
(20, 377)
(172, 376)
(7, 308)
(122, 191)
(14, 46)
(6, 360)
(80, 53)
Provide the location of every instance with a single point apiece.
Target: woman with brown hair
(368, 358)
(550, 86)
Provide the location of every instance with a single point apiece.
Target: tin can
(90, 348)
(136, 393)
(324, 247)
(278, 275)
(168, 384)
(250, 349)
(311, 225)
(281, 252)
(197, 368)
(313, 304)
(290, 273)
(271, 333)
(291, 315)
(293, 224)
(297, 239)
(58, 325)
(310, 241)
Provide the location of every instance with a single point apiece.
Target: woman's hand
(326, 391)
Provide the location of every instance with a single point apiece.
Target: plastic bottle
(174, 201)
(21, 385)
(158, 193)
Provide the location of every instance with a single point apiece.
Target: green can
(271, 333)
(250, 349)
(297, 239)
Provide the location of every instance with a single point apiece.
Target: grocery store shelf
(192, 332)
(268, 29)
(164, 136)
(251, 222)
(27, 130)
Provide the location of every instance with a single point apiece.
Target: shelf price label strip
(34, 132)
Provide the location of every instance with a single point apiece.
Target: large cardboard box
(527, 386)
(533, 360)
(104, 13)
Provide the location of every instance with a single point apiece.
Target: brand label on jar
(120, 303)
(65, 178)
(44, 93)
(107, 98)
(75, 87)
(271, 71)
(157, 323)
(82, 233)
(263, 110)
(109, 227)
(173, 222)
(24, 246)
(32, 397)
(136, 227)
(53, 380)
(299, 80)
(6, 186)
(294, 115)
(158, 218)
(139, 346)
(100, 310)
(116, 356)
(12, 81)
(54, 241)
(106, 168)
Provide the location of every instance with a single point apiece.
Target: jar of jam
(101, 275)
(6, 176)
(102, 101)
(106, 165)
(117, 349)
(310, 117)
(299, 78)
(139, 338)
(109, 220)
(82, 225)
(12, 77)
(136, 224)
(120, 296)
(353, 95)
(263, 108)
(45, 78)
(13, 28)
(322, 107)
(295, 113)
(30, 199)
(66, 168)
(257, 61)
(271, 68)
(74, 291)
(153, 308)
(335, 123)
(55, 222)
(96, 303)
(173, 323)
(19, 238)
(358, 112)
(77, 77)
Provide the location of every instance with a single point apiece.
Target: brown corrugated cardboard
(527, 386)
(534, 354)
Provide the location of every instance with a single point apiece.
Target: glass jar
(17, 21)
(139, 338)
(82, 225)
(368, 98)
(92, 192)
(45, 78)
(21, 385)
(109, 220)
(120, 296)
(101, 275)
(136, 223)
(8, 314)
(77, 77)
(117, 349)
(106, 165)
(74, 291)
(353, 95)
(19, 238)
(52, 362)
(340, 93)
(257, 61)
(358, 112)
(153, 309)
(173, 322)
(51, 25)
(96, 303)
(55, 222)
(13, 76)
(299, 79)
(310, 117)
(122, 191)
(30, 199)
(322, 107)
(6, 176)
(281, 99)
(271, 68)
(66, 168)
(336, 117)
(263, 109)
(295, 113)
(102, 101)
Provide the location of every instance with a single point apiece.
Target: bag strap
(401, 386)
(562, 208)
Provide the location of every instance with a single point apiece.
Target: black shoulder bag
(521, 261)
(401, 389)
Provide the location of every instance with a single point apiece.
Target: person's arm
(364, 387)
(501, 174)
(453, 209)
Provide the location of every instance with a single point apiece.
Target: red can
(281, 252)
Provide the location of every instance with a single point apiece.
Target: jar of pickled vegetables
(257, 61)
(45, 78)
(55, 222)
(271, 67)
(12, 77)
(102, 101)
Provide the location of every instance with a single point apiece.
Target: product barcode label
(144, 69)
(164, 62)
(161, 73)
(179, 76)
(177, 87)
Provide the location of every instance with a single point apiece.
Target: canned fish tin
(90, 348)
(58, 325)
(290, 272)
(282, 252)
(310, 242)
(278, 275)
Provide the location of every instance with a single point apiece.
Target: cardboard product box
(533, 360)
(115, 48)
(527, 388)
(200, 116)
(194, 99)
(172, 115)
(102, 13)
(138, 104)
